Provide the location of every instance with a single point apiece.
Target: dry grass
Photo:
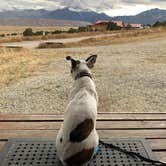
(117, 38)
(56, 36)
(121, 37)
(17, 63)
(20, 29)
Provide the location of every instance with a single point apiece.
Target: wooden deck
(151, 126)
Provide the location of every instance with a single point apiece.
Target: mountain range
(79, 17)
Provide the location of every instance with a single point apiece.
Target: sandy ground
(129, 78)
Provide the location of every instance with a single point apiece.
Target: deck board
(104, 116)
(151, 126)
(100, 125)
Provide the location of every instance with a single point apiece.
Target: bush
(72, 30)
(2, 35)
(47, 32)
(38, 33)
(50, 45)
(57, 32)
(28, 32)
(14, 34)
(82, 29)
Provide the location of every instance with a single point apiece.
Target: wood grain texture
(105, 116)
(109, 125)
(105, 125)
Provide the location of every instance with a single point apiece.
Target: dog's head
(78, 66)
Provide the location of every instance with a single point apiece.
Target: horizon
(109, 7)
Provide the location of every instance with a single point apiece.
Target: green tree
(112, 26)
(28, 32)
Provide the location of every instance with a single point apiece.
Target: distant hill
(59, 14)
(69, 16)
(147, 17)
(40, 22)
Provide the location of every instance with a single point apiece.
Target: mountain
(147, 17)
(60, 14)
(40, 22)
(68, 14)
(83, 17)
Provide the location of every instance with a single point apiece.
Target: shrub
(57, 32)
(38, 33)
(82, 29)
(28, 32)
(72, 30)
(2, 35)
(47, 32)
(14, 34)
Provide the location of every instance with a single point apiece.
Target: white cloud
(111, 7)
(122, 10)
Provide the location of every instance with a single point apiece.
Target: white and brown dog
(77, 139)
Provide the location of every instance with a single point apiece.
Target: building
(102, 25)
(120, 24)
(136, 26)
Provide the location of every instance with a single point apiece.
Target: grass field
(129, 77)
(20, 29)
(116, 38)
(19, 63)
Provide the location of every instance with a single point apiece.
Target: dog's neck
(83, 74)
(86, 82)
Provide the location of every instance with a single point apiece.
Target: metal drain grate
(43, 153)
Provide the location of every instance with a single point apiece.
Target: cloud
(111, 7)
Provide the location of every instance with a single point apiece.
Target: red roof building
(136, 25)
(119, 23)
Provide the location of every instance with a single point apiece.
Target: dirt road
(129, 78)
(34, 44)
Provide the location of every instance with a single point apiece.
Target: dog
(77, 139)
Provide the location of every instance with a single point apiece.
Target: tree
(28, 32)
(112, 26)
(128, 26)
(158, 23)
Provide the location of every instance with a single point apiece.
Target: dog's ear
(91, 61)
(73, 62)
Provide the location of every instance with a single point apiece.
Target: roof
(119, 23)
(102, 21)
(136, 25)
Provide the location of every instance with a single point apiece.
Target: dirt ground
(129, 78)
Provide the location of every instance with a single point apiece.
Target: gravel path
(129, 78)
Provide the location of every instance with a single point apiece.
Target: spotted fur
(77, 138)
(82, 131)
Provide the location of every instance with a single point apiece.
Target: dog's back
(77, 139)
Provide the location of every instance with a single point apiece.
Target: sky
(110, 7)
